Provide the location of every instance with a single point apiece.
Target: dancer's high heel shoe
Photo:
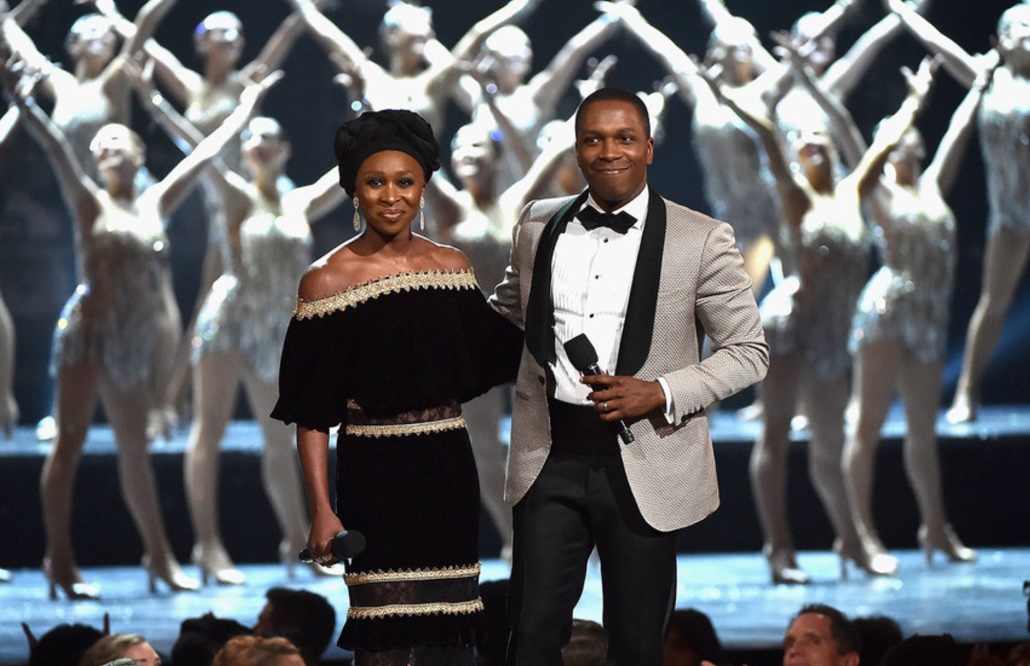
(869, 555)
(217, 567)
(783, 567)
(167, 570)
(945, 541)
(5, 576)
(962, 410)
(71, 584)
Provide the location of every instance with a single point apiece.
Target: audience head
(116, 646)
(925, 651)
(201, 638)
(878, 634)
(63, 645)
(690, 639)
(258, 651)
(304, 618)
(375, 131)
(821, 635)
(587, 646)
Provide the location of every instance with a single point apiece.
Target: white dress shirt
(591, 275)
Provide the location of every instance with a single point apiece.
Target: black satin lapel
(539, 310)
(643, 295)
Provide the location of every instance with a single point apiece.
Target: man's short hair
(848, 639)
(616, 95)
(307, 619)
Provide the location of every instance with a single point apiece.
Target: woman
(728, 150)
(807, 321)
(900, 327)
(390, 335)
(118, 332)
(478, 220)
(121, 646)
(1004, 119)
(239, 333)
(423, 73)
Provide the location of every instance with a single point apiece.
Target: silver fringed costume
(1005, 142)
(908, 299)
(113, 317)
(811, 312)
(735, 179)
(248, 310)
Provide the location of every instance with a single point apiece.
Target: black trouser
(580, 500)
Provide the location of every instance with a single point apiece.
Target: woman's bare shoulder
(330, 274)
(445, 257)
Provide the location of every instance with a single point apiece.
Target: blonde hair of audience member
(258, 651)
(121, 646)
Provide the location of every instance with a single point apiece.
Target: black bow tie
(591, 218)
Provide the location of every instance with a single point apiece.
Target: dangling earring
(422, 213)
(357, 216)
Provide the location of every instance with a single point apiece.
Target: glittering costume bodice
(248, 310)
(734, 179)
(113, 317)
(81, 117)
(209, 108)
(908, 298)
(485, 238)
(811, 313)
(1005, 143)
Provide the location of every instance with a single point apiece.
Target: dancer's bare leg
(482, 417)
(1004, 262)
(8, 406)
(768, 463)
(280, 469)
(75, 401)
(215, 380)
(876, 367)
(127, 411)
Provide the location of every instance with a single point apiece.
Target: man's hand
(620, 397)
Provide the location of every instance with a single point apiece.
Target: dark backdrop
(36, 270)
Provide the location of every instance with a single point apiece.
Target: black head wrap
(375, 131)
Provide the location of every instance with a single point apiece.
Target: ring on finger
(604, 407)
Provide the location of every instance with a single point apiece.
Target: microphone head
(347, 544)
(581, 352)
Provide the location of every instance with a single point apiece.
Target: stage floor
(979, 602)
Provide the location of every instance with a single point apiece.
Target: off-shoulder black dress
(391, 361)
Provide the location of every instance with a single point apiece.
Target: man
(820, 635)
(307, 619)
(644, 296)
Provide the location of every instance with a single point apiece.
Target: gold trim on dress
(358, 294)
(401, 429)
(435, 608)
(467, 571)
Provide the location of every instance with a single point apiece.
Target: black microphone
(583, 356)
(344, 546)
